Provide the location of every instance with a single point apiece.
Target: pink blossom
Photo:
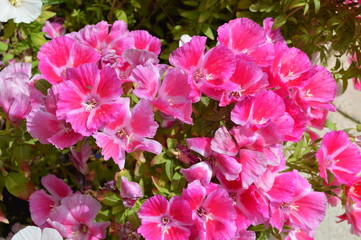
(273, 35)
(221, 161)
(90, 98)
(243, 36)
(42, 204)
(173, 96)
(143, 40)
(43, 124)
(15, 90)
(129, 132)
(60, 54)
(53, 29)
(212, 211)
(293, 201)
(249, 78)
(354, 191)
(130, 192)
(205, 70)
(353, 217)
(74, 218)
(201, 171)
(79, 158)
(165, 220)
(147, 80)
(341, 157)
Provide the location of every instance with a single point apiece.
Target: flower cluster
(71, 214)
(108, 84)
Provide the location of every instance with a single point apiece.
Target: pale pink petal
(143, 40)
(228, 166)
(41, 205)
(83, 208)
(201, 171)
(253, 166)
(223, 142)
(110, 148)
(147, 81)
(61, 53)
(50, 234)
(142, 122)
(201, 145)
(241, 35)
(190, 54)
(56, 186)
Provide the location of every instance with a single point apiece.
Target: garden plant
(175, 120)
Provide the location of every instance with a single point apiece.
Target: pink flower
(53, 29)
(341, 157)
(74, 218)
(143, 40)
(249, 78)
(212, 211)
(173, 96)
(130, 192)
(42, 204)
(90, 98)
(353, 217)
(129, 132)
(354, 191)
(15, 90)
(79, 158)
(201, 171)
(165, 220)
(243, 36)
(293, 201)
(273, 35)
(205, 70)
(60, 54)
(43, 124)
(222, 161)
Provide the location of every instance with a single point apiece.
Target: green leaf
(204, 16)
(317, 5)
(191, 15)
(280, 20)
(38, 39)
(121, 15)
(43, 86)
(111, 199)
(9, 29)
(3, 47)
(208, 32)
(18, 185)
(330, 125)
(169, 169)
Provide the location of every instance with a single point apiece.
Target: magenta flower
(165, 220)
(15, 93)
(129, 132)
(130, 192)
(353, 217)
(243, 36)
(205, 70)
(79, 158)
(293, 201)
(54, 29)
(201, 171)
(212, 211)
(60, 54)
(341, 157)
(144, 41)
(90, 98)
(174, 96)
(74, 218)
(273, 35)
(42, 204)
(43, 124)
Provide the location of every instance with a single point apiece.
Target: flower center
(201, 212)
(15, 3)
(84, 228)
(165, 220)
(90, 104)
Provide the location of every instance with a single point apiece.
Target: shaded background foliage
(328, 28)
